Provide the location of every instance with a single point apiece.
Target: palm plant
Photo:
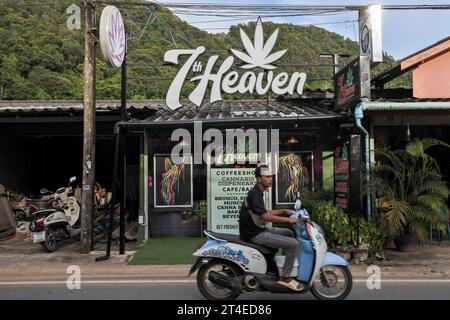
(410, 186)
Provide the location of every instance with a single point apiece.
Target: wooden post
(87, 196)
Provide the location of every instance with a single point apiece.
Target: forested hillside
(40, 58)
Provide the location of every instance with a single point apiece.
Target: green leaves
(418, 147)
(341, 233)
(410, 181)
(35, 34)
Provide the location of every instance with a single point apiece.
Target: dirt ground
(426, 260)
(23, 252)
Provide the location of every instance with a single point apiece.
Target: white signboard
(112, 36)
(258, 54)
(228, 189)
(370, 33)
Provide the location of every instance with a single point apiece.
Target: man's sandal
(292, 284)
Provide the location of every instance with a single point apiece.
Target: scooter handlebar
(302, 215)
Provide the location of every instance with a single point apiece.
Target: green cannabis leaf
(350, 77)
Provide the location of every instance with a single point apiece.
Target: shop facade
(394, 117)
(207, 188)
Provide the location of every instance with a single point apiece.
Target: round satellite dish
(112, 36)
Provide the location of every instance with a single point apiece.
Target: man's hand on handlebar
(293, 220)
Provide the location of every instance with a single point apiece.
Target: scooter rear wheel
(50, 242)
(333, 283)
(213, 291)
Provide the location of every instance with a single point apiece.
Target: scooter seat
(236, 239)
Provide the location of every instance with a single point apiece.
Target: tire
(205, 286)
(319, 287)
(20, 215)
(49, 245)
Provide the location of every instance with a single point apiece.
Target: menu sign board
(228, 189)
(342, 175)
(347, 89)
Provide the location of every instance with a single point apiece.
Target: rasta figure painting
(170, 179)
(293, 175)
(173, 181)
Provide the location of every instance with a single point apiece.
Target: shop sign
(258, 55)
(228, 189)
(347, 85)
(112, 36)
(232, 158)
(370, 33)
(342, 176)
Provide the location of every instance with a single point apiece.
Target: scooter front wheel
(333, 283)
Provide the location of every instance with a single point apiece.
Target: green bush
(203, 208)
(335, 223)
(310, 199)
(340, 233)
(372, 236)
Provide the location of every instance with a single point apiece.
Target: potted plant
(412, 190)
(336, 225)
(371, 240)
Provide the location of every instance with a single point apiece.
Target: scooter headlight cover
(320, 230)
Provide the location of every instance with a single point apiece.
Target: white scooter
(61, 222)
(228, 266)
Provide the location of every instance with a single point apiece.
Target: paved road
(136, 288)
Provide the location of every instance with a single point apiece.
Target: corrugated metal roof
(396, 69)
(69, 106)
(241, 110)
(222, 110)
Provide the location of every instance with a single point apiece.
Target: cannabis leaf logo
(258, 53)
(244, 145)
(350, 77)
(116, 38)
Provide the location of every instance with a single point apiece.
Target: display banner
(228, 189)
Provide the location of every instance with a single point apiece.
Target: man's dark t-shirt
(255, 203)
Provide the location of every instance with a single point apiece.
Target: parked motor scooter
(26, 207)
(228, 266)
(61, 222)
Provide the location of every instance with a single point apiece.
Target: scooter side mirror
(73, 179)
(43, 191)
(298, 204)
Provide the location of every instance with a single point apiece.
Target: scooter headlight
(319, 228)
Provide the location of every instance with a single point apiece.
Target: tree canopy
(41, 59)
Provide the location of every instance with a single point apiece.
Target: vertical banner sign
(342, 175)
(228, 189)
(370, 33)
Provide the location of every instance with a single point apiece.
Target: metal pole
(114, 195)
(142, 180)
(336, 63)
(123, 90)
(122, 157)
(122, 182)
(87, 198)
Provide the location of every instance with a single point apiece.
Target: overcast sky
(403, 32)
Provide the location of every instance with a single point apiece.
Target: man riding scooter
(252, 226)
